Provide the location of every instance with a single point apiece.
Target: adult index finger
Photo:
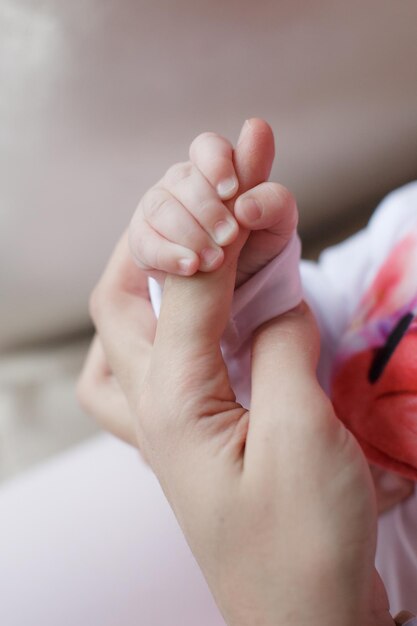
(123, 315)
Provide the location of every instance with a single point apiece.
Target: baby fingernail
(251, 209)
(227, 188)
(209, 255)
(223, 231)
(185, 265)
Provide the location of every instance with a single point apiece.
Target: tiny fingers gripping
(151, 251)
(180, 225)
(213, 156)
(197, 197)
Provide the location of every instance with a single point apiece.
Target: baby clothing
(337, 288)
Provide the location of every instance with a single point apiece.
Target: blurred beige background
(99, 97)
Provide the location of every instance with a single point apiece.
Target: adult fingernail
(209, 256)
(251, 209)
(223, 231)
(227, 187)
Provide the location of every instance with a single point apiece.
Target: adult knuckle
(144, 407)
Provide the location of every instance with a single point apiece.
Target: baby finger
(152, 251)
(213, 156)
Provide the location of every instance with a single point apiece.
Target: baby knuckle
(283, 197)
(159, 258)
(139, 211)
(155, 205)
(281, 194)
(149, 206)
(152, 255)
(137, 244)
(276, 192)
(178, 172)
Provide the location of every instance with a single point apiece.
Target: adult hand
(277, 505)
(125, 286)
(122, 296)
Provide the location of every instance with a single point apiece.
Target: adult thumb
(196, 309)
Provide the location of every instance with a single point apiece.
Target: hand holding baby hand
(277, 506)
(182, 223)
(124, 285)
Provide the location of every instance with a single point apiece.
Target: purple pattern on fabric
(391, 295)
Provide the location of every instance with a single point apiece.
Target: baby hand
(184, 221)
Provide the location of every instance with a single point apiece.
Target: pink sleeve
(270, 292)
